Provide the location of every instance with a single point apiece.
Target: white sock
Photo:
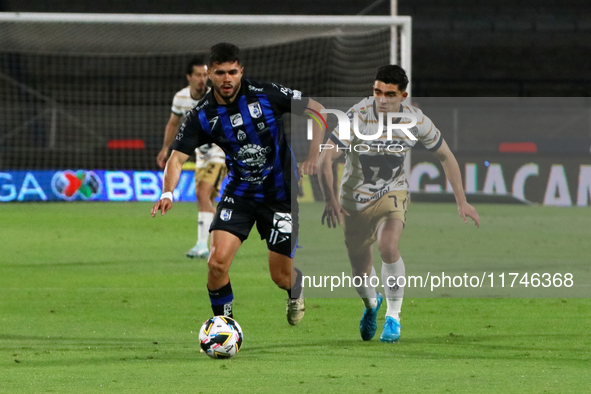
(368, 293)
(204, 220)
(394, 294)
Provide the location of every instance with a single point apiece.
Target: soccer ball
(221, 337)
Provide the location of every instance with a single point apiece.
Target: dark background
(460, 47)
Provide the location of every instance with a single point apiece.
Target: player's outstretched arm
(454, 177)
(172, 172)
(169, 132)
(310, 166)
(333, 211)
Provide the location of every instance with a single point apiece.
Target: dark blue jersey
(251, 133)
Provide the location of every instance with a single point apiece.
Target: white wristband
(166, 195)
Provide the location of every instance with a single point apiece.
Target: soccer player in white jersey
(374, 192)
(210, 167)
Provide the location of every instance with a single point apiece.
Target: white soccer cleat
(296, 309)
(199, 251)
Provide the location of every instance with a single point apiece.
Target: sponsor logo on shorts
(226, 214)
(375, 196)
(282, 222)
(282, 226)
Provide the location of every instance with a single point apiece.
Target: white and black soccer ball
(221, 337)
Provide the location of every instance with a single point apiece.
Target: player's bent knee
(389, 252)
(216, 268)
(202, 197)
(219, 262)
(281, 279)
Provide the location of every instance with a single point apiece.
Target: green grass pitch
(98, 297)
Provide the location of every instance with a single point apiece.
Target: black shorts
(276, 222)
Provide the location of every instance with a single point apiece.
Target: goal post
(46, 35)
(71, 83)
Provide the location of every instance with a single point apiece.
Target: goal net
(94, 90)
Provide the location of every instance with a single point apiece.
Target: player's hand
(468, 211)
(163, 205)
(334, 214)
(309, 167)
(161, 158)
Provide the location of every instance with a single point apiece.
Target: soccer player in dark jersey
(243, 117)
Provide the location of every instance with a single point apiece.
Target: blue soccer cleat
(368, 324)
(391, 331)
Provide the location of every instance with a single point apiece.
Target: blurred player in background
(210, 167)
(374, 193)
(244, 117)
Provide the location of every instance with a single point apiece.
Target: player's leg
(287, 277)
(388, 236)
(207, 185)
(224, 246)
(361, 259)
(393, 268)
(230, 227)
(359, 238)
(282, 270)
(206, 212)
(277, 223)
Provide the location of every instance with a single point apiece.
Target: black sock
(296, 290)
(221, 300)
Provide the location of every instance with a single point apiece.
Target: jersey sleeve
(285, 100)
(428, 134)
(191, 135)
(176, 107)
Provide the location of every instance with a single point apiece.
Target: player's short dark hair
(195, 62)
(393, 74)
(224, 52)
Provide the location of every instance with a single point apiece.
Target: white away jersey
(376, 167)
(181, 105)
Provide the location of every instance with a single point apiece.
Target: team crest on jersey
(255, 109)
(226, 214)
(241, 135)
(363, 110)
(236, 120)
